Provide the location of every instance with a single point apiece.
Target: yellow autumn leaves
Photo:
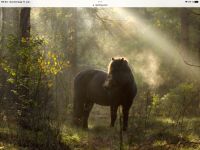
(51, 63)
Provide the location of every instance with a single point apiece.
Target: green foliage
(30, 58)
(180, 101)
(30, 74)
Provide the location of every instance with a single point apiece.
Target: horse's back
(88, 85)
(85, 76)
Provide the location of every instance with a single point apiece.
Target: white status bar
(99, 3)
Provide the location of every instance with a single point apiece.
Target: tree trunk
(3, 31)
(9, 26)
(72, 47)
(25, 23)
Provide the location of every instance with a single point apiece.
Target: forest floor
(152, 134)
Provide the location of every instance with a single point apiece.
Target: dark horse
(115, 88)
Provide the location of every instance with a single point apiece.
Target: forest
(43, 49)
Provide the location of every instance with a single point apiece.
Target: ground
(155, 134)
(159, 134)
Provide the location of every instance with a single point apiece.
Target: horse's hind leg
(86, 111)
(113, 112)
(77, 110)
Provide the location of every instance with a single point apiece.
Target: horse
(115, 88)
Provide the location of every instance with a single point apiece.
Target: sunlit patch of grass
(166, 120)
(159, 143)
(74, 137)
(190, 148)
(71, 138)
(6, 146)
(194, 137)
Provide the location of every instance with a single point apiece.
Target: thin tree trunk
(3, 31)
(24, 77)
(72, 47)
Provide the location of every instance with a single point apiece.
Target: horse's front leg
(125, 110)
(113, 112)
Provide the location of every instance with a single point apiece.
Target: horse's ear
(113, 58)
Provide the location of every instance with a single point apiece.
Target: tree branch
(187, 63)
(104, 23)
(195, 13)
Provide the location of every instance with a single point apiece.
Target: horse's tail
(78, 105)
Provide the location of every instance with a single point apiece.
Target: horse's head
(119, 73)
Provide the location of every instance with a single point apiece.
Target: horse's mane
(119, 73)
(115, 59)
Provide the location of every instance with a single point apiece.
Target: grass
(158, 134)
(155, 134)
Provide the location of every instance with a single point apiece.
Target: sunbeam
(158, 39)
